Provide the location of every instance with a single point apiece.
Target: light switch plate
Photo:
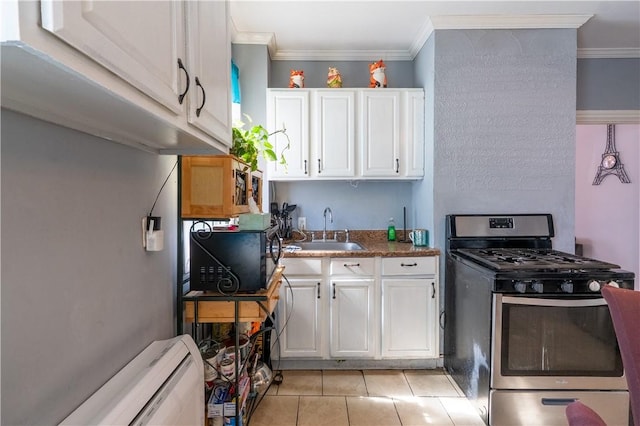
(302, 223)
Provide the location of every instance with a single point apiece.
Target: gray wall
(253, 62)
(608, 84)
(355, 205)
(422, 191)
(505, 125)
(354, 73)
(80, 296)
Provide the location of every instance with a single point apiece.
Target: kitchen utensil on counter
(283, 218)
(405, 236)
(419, 237)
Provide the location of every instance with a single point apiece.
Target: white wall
(80, 296)
(607, 215)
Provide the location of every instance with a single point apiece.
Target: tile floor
(365, 398)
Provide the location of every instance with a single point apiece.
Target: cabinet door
(380, 133)
(291, 109)
(353, 322)
(299, 318)
(140, 41)
(214, 187)
(412, 139)
(334, 133)
(209, 64)
(409, 307)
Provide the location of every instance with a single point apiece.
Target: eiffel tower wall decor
(610, 163)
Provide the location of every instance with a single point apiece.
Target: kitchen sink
(328, 246)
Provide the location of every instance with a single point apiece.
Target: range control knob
(567, 287)
(537, 287)
(520, 287)
(594, 285)
(613, 284)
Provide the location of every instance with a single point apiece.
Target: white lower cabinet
(359, 308)
(408, 316)
(300, 310)
(410, 307)
(352, 312)
(300, 315)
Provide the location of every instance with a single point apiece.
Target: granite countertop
(374, 242)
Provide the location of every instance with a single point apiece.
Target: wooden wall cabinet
(217, 187)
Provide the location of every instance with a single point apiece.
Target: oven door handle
(557, 401)
(553, 302)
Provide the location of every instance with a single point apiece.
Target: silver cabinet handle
(305, 167)
(318, 285)
(397, 165)
(433, 290)
(319, 166)
(351, 265)
(409, 264)
(334, 290)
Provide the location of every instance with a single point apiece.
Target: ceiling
(396, 30)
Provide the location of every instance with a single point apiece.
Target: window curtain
(236, 113)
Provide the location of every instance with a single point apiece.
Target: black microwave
(230, 262)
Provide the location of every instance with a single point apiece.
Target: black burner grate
(531, 259)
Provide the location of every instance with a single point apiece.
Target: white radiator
(163, 385)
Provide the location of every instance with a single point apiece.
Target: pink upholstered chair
(624, 306)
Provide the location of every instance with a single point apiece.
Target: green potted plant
(249, 144)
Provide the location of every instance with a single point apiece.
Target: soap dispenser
(391, 230)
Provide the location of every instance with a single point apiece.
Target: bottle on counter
(391, 230)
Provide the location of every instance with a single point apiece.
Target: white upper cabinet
(413, 134)
(348, 133)
(141, 42)
(123, 70)
(291, 109)
(209, 63)
(380, 133)
(333, 124)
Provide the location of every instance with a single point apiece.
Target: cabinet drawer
(352, 266)
(410, 265)
(302, 266)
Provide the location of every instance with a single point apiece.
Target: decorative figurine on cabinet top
(377, 76)
(296, 79)
(334, 79)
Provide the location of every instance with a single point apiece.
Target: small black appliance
(231, 261)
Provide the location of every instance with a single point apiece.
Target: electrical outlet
(302, 223)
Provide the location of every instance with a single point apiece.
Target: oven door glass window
(558, 337)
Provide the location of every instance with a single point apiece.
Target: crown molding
(631, 116)
(423, 35)
(451, 22)
(342, 55)
(613, 53)
(268, 39)
(493, 22)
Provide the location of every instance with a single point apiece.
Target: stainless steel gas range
(526, 328)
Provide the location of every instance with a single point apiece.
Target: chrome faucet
(324, 231)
